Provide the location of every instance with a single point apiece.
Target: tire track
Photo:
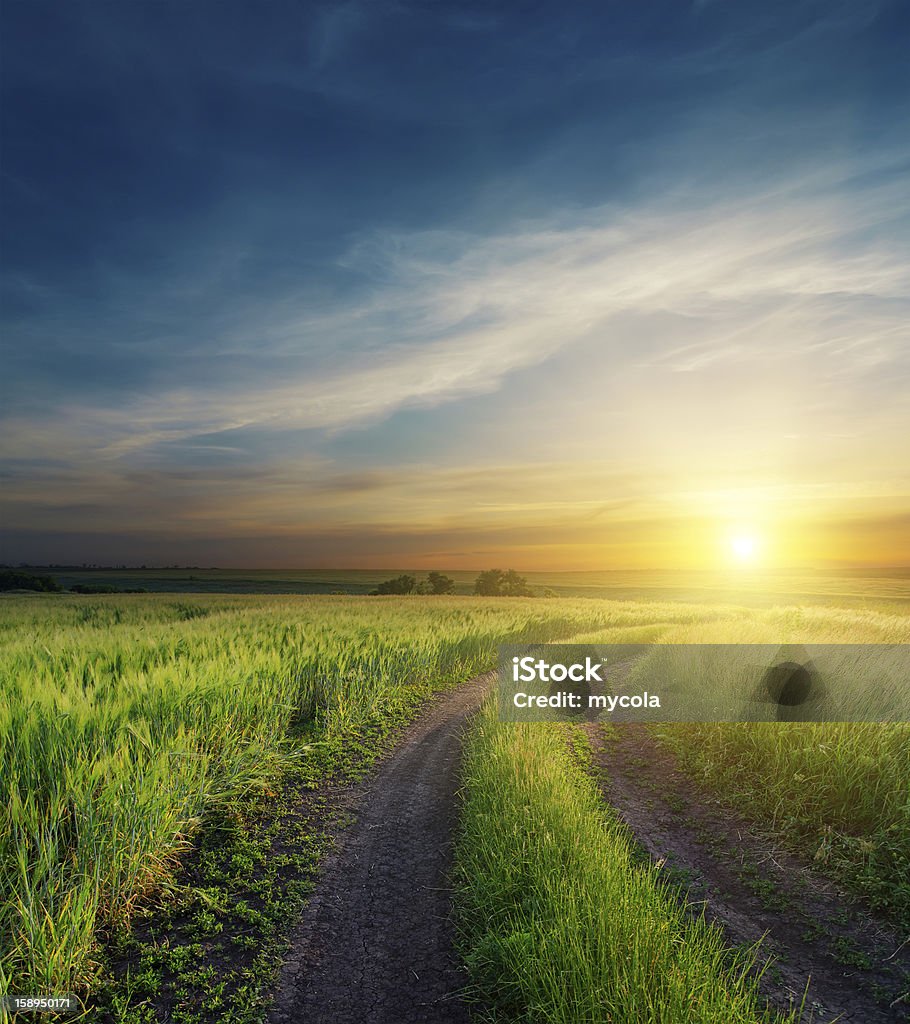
(374, 945)
(855, 966)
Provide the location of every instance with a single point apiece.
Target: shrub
(10, 580)
(403, 584)
(437, 583)
(496, 583)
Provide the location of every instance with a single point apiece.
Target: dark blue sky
(297, 273)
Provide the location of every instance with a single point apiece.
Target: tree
(514, 585)
(489, 583)
(440, 584)
(403, 584)
(496, 583)
(25, 581)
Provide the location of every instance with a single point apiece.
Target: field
(125, 720)
(879, 588)
(143, 736)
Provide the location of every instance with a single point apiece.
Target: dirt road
(375, 941)
(374, 945)
(855, 967)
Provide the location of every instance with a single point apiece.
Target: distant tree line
(435, 583)
(104, 588)
(12, 580)
(492, 583)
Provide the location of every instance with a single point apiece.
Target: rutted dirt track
(375, 941)
(374, 945)
(858, 970)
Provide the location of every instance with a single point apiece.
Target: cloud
(289, 274)
(331, 29)
(807, 270)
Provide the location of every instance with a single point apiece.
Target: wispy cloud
(301, 279)
(767, 278)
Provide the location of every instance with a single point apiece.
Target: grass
(209, 953)
(838, 792)
(134, 728)
(560, 921)
(128, 721)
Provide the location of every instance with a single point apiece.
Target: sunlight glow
(744, 547)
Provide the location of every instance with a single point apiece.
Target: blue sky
(575, 285)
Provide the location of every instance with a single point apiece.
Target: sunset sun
(744, 547)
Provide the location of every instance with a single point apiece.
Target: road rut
(856, 967)
(374, 945)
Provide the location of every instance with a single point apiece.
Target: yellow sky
(596, 390)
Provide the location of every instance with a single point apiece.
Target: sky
(452, 285)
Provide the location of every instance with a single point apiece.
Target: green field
(558, 915)
(128, 722)
(838, 793)
(125, 719)
(847, 588)
(839, 790)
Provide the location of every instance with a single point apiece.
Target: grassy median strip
(559, 922)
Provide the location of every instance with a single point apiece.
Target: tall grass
(838, 791)
(123, 720)
(560, 924)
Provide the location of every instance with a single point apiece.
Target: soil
(375, 942)
(857, 968)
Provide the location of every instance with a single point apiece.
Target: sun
(744, 546)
